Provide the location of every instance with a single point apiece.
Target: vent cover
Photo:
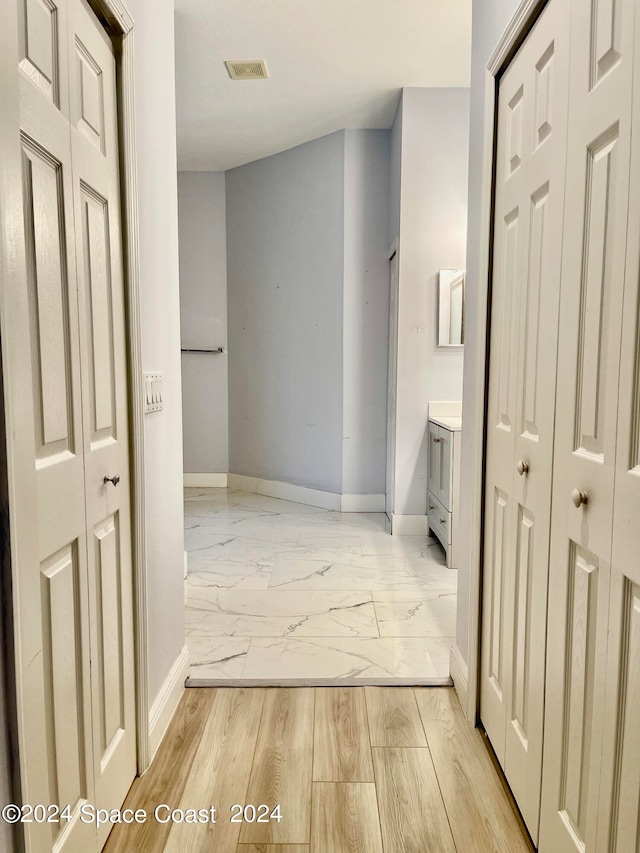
(247, 69)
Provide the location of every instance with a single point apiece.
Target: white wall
(203, 320)
(285, 257)
(433, 139)
(490, 18)
(158, 208)
(366, 311)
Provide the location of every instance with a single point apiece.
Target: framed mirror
(451, 308)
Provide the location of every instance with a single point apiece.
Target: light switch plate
(153, 393)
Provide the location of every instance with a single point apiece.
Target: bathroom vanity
(443, 479)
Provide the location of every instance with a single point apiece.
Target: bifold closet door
(74, 621)
(619, 802)
(586, 444)
(530, 175)
(98, 241)
(53, 669)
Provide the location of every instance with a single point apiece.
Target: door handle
(579, 497)
(522, 467)
(115, 479)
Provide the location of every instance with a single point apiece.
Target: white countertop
(450, 422)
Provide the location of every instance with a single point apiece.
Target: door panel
(94, 142)
(591, 307)
(619, 809)
(75, 629)
(54, 619)
(42, 30)
(532, 137)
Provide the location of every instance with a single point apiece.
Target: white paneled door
(530, 168)
(562, 517)
(591, 438)
(75, 624)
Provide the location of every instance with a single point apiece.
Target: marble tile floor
(284, 593)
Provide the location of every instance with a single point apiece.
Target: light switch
(153, 393)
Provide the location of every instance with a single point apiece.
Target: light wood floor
(355, 770)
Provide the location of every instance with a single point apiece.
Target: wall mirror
(451, 308)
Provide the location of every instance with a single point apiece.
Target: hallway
(280, 592)
(361, 770)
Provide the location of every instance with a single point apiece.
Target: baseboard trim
(409, 525)
(304, 495)
(205, 481)
(166, 702)
(285, 491)
(362, 503)
(460, 676)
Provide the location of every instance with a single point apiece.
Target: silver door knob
(522, 467)
(115, 479)
(579, 497)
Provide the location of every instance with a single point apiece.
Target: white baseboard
(362, 503)
(460, 676)
(285, 491)
(205, 481)
(166, 702)
(409, 525)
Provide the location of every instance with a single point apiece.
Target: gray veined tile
(221, 575)
(216, 657)
(318, 574)
(212, 612)
(431, 616)
(205, 547)
(348, 658)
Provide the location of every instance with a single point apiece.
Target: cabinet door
(433, 476)
(591, 301)
(446, 467)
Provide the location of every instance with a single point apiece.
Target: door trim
(119, 26)
(519, 26)
(391, 439)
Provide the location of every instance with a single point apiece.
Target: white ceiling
(332, 64)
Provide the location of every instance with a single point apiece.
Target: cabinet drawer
(439, 519)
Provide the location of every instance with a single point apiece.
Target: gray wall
(433, 226)
(395, 174)
(203, 320)
(285, 259)
(366, 310)
(158, 206)
(490, 18)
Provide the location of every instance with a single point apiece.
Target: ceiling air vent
(247, 69)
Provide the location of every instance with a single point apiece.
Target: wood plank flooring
(354, 770)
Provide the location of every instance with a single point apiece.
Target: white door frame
(391, 439)
(15, 350)
(522, 21)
